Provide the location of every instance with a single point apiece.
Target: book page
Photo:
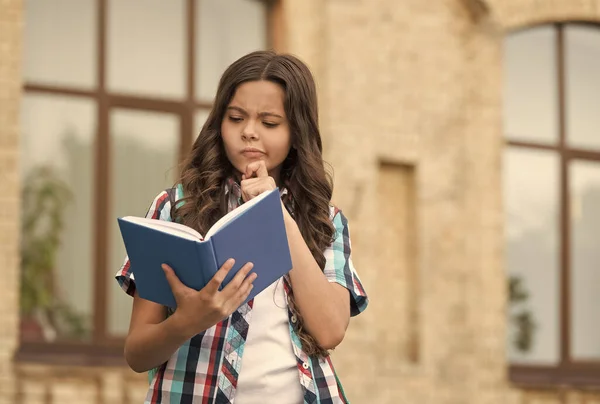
(176, 229)
(222, 222)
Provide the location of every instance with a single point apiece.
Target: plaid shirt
(205, 369)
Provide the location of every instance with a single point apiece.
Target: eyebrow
(262, 114)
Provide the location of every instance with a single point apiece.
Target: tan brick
(415, 84)
(420, 84)
(10, 83)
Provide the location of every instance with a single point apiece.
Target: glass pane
(146, 47)
(60, 42)
(226, 31)
(531, 183)
(57, 166)
(582, 46)
(199, 118)
(531, 86)
(144, 150)
(585, 255)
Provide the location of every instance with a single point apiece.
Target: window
(552, 202)
(114, 94)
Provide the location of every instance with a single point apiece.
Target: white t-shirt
(269, 372)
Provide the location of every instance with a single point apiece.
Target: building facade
(412, 103)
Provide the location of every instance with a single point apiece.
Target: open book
(253, 232)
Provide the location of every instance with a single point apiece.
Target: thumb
(176, 285)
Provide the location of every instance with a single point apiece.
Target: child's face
(255, 127)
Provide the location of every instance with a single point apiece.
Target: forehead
(258, 95)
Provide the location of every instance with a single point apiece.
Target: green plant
(523, 318)
(45, 198)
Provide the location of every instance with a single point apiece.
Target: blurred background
(464, 140)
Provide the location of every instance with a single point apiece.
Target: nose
(249, 131)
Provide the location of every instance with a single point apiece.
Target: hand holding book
(199, 310)
(252, 233)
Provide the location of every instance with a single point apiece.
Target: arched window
(552, 202)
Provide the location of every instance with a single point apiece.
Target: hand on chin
(256, 180)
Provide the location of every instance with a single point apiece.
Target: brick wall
(10, 64)
(75, 385)
(419, 85)
(410, 95)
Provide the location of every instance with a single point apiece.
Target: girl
(262, 133)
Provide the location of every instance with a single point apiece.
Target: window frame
(104, 349)
(568, 371)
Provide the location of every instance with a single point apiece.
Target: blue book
(254, 232)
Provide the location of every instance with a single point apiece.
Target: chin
(241, 166)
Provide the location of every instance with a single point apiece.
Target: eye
(270, 124)
(235, 119)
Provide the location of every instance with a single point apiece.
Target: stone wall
(10, 92)
(411, 114)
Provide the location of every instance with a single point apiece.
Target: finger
(256, 186)
(258, 180)
(176, 285)
(244, 291)
(264, 182)
(249, 188)
(245, 195)
(258, 168)
(238, 279)
(242, 294)
(251, 169)
(213, 285)
(248, 282)
(252, 191)
(247, 291)
(250, 181)
(262, 169)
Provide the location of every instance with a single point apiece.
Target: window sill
(109, 354)
(581, 376)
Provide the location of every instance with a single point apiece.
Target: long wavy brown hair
(303, 172)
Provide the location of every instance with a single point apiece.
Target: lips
(251, 152)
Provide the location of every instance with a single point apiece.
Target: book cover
(254, 232)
